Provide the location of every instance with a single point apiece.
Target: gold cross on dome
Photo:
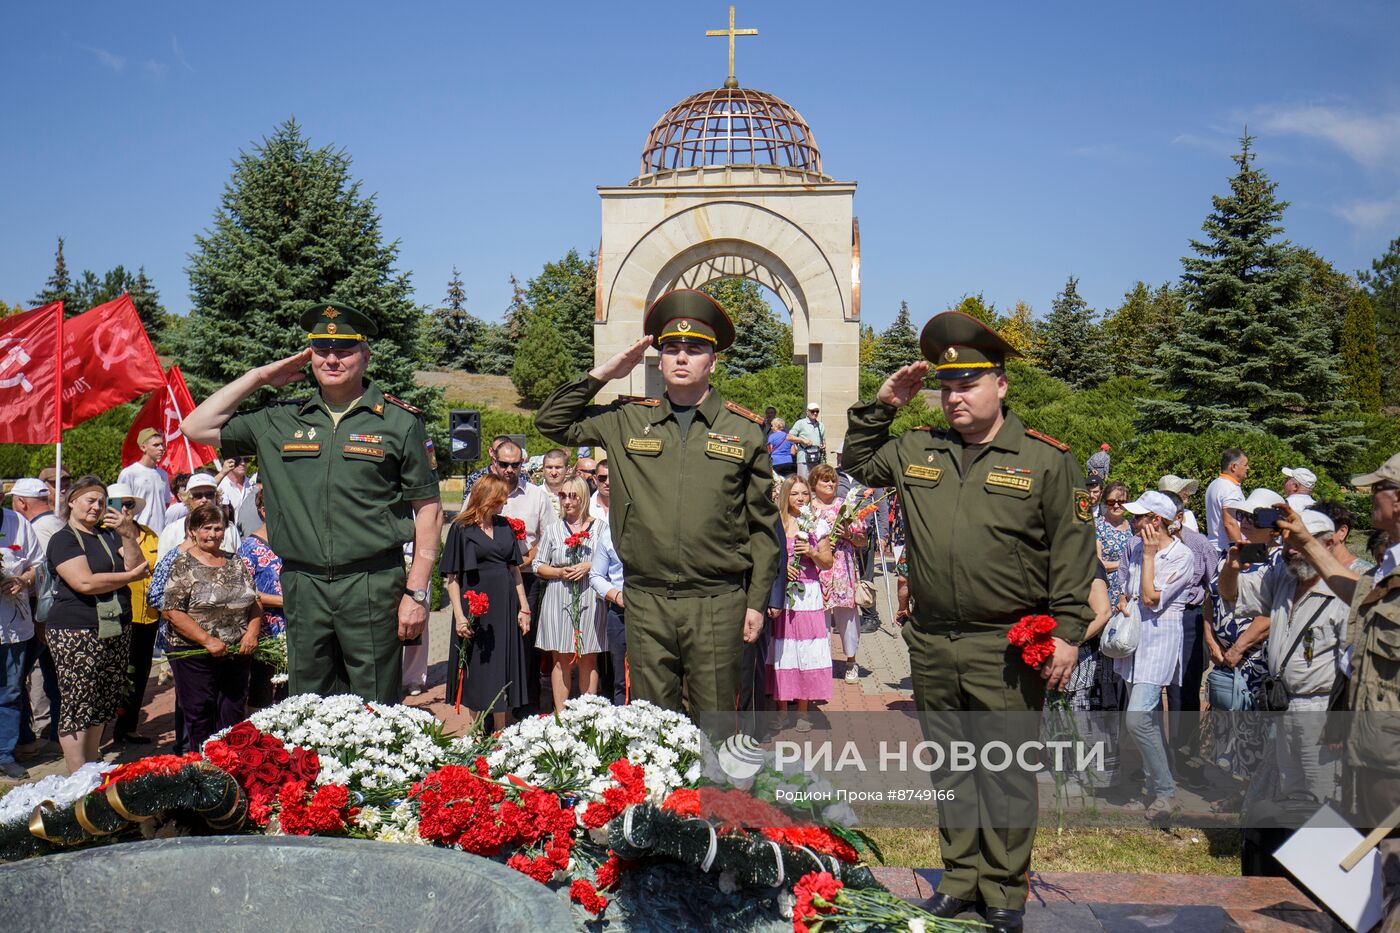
(731, 32)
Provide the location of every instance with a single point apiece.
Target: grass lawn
(1138, 850)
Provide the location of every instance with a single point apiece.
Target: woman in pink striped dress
(799, 656)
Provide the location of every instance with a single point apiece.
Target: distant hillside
(470, 390)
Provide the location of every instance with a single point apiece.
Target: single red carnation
(684, 801)
(585, 894)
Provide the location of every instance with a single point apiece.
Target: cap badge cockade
(951, 354)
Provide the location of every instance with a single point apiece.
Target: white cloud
(1370, 214)
(1371, 140)
(154, 68)
(109, 60)
(179, 54)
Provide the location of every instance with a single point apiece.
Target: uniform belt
(383, 561)
(712, 587)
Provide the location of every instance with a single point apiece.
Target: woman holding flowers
(799, 656)
(481, 565)
(839, 580)
(211, 604)
(573, 626)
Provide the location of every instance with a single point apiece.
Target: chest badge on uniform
(365, 450)
(367, 438)
(311, 434)
(299, 433)
(646, 429)
(1082, 510)
(1010, 478)
(290, 448)
(644, 445)
(379, 408)
(722, 449)
(932, 474)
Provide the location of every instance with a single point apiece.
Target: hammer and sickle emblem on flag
(113, 352)
(13, 359)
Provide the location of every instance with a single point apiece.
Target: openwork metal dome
(731, 126)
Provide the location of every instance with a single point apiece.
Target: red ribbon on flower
(1032, 636)
(154, 764)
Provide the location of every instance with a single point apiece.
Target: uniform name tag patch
(367, 438)
(365, 450)
(1010, 481)
(644, 445)
(914, 471)
(724, 450)
(301, 448)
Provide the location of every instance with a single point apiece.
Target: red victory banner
(31, 358)
(164, 411)
(107, 360)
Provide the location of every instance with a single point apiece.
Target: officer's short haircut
(602, 463)
(556, 454)
(1338, 512)
(1229, 457)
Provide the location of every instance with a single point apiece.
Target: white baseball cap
(123, 491)
(811, 405)
(199, 480)
(1185, 488)
(30, 488)
(1152, 502)
(1317, 523)
(1260, 498)
(1302, 476)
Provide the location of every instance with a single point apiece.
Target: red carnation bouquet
(478, 604)
(517, 525)
(262, 765)
(574, 554)
(1032, 636)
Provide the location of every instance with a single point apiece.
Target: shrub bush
(1144, 460)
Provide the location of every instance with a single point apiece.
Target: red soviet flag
(164, 411)
(107, 360)
(31, 358)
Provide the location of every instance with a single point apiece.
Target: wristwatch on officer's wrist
(418, 596)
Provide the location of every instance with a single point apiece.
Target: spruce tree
(542, 361)
(898, 344)
(1071, 345)
(455, 332)
(59, 286)
(1382, 284)
(758, 334)
(293, 229)
(148, 307)
(1135, 329)
(1248, 353)
(1361, 366)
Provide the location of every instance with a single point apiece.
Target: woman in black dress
(483, 555)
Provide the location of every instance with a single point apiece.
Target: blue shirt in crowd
(779, 448)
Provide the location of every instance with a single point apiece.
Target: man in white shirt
(809, 437)
(147, 481)
(200, 489)
(605, 577)
(532, 505)
(32, 499)
(235, 490)
(19, 556)
(598, 502)
(556, 468)
(1222, 495)
(1300, 480)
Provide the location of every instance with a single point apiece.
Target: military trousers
(343, 633)
(987, 827)
(685, 643)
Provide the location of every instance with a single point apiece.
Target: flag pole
(189, 451)
(58, 472)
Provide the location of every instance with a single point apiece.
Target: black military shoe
(946, 906)
(1005, 919)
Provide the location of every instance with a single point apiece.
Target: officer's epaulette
(639, 400)
(292, 401)
(743, 412)
(402, 404)
(1061, 445)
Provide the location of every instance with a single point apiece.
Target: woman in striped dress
(799, 656)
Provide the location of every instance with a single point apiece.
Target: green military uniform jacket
(1013, 536)
(688, 517)
(337, 497)
(1373, 689)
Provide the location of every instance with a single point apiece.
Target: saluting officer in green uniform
(998, 527)
(691, 516)
(348, 477)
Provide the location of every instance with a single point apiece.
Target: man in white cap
(32, 499)
(1157, 582)
(18, 560)
(143, 620)
(1307, 626)
(1223, 494)
(1300, 480)
(809, 434)
(148, 481)
(201, 487)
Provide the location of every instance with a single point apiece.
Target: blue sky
(999, 147)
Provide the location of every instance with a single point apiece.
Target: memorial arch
(731, 184)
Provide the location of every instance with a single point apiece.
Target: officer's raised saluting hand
(286, 371)
(622, 363)
(903, 384)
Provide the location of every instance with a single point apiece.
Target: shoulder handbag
(865, 594)
(1274, 693)
(1122, 634)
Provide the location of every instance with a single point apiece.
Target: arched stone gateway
(731, 185)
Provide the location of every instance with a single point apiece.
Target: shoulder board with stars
(1046, 438)
(743, 412)
(402, 404)
(639, 400)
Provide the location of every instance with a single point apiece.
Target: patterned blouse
(266, 568)
(217, 598)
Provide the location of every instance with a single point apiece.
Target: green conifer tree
(542, 362)
(980, 308)
(293, 228)
(148, 306)
(455, 332)
(1361, 366)
(59, 286)
(1136, 328)
(898, 344)
(1248, 353)
(758, 334)
(1071, 344)
(1382, 284)
(567, 290)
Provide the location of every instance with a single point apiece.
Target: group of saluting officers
(998, 526)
